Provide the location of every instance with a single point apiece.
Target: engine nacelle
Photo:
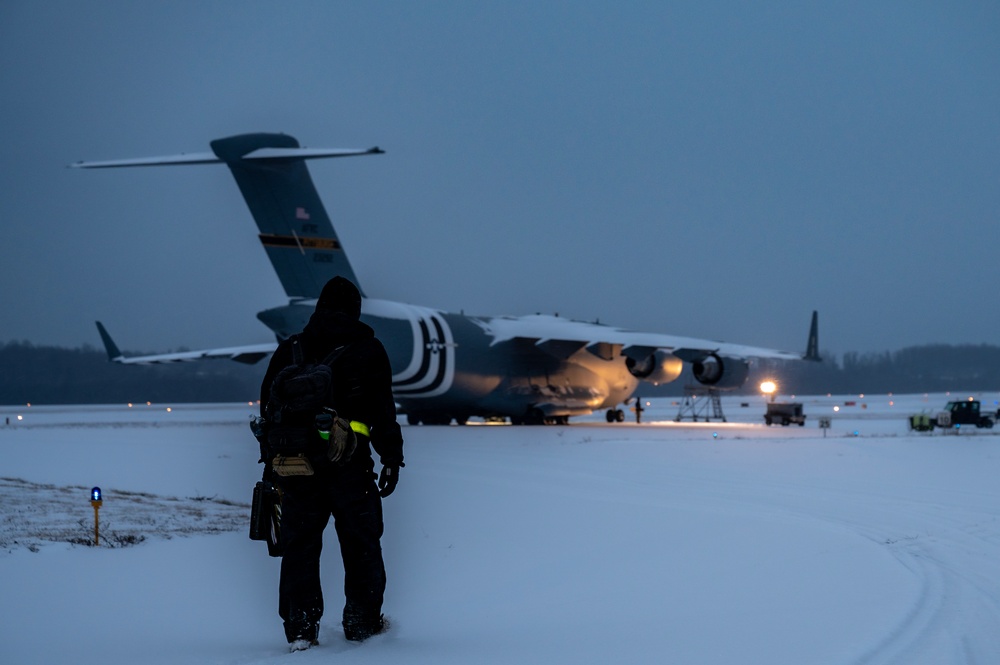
(658, 367)
(721, 372)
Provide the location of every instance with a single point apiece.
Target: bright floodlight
(768, 387)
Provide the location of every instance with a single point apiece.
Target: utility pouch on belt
(339, 435)
(296, 465)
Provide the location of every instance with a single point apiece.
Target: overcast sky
(713, 169)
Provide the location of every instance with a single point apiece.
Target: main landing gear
(615, 416)
(434, 419)
(536, 417)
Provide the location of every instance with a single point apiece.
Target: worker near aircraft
(361, 391)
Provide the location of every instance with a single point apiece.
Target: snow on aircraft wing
(548, 331)
(249, 354)
(244, 354)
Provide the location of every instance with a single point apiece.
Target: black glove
(387, 480)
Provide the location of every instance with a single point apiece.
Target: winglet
(114, 355)
(812, 345)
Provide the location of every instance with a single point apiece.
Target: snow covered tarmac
(593, 543)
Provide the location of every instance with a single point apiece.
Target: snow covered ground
(662, 542)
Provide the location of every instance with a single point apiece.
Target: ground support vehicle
(784, 414)
(955, 414)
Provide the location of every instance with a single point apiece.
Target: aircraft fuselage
(450, 366)
(531, 369)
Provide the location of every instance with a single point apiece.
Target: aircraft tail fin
(294, 227)
(812, 344)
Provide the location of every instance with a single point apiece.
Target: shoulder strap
(297, 353)
(330, 359)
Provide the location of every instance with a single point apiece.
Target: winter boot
(357, 630)
(301, 645)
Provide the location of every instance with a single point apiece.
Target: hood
(328, 329)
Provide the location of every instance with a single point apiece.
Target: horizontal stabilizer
(262, 154)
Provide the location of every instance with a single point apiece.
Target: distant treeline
(916, 369)
(53, 375)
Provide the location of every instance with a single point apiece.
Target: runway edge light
(96, 502)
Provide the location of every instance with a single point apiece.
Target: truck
(784, 413)
(955, 414)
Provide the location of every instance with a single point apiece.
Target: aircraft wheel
(619, 415)
(610, 415)
(534, 417)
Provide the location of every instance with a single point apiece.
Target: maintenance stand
(698, 408)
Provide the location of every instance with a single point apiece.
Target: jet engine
(658, 367)
(721, 372)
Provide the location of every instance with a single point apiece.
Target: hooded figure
(340, 295)
(361, 393)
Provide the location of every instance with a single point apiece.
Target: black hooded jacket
(362, 387)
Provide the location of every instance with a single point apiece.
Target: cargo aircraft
(531, 369)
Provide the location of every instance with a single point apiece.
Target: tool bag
(265, 516)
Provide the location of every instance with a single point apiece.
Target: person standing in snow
(361, 393)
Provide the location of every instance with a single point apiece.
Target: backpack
(300, 425)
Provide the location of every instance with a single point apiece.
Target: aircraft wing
(245, 354)
(564, 337)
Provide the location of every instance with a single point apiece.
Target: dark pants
(350, 495)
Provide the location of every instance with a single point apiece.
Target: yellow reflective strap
(360, 428)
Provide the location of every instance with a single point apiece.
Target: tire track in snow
(951, 548)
